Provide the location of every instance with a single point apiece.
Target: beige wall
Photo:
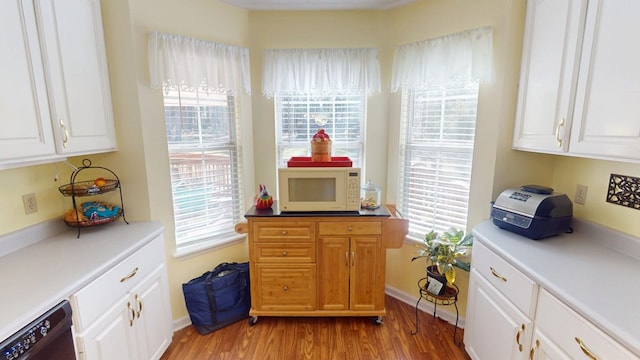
(269, 29)
(140, 115)
(141, 160)
(569, 172)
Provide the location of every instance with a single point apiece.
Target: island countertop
(275, 211)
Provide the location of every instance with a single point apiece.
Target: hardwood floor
(325, 338)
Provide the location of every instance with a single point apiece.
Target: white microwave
(319, 189)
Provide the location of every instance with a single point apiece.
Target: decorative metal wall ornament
(624, 190)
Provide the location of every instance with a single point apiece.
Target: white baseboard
(446, 313)
(181, 323)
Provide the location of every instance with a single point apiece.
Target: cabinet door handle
(132, 313)
(139, 304)
(353, 258)
(533, 349)
(131, 274)
(65, 138)
(558, 139)
(495, 273)
(520, 332)
(585, 349)
(346, 258)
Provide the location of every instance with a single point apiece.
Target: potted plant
(443, 253)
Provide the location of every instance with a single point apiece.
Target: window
(202, 136)
(300, 115)
(437, 136)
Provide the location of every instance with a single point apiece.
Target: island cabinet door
(350, 274)
(366, 290)
(333, 273)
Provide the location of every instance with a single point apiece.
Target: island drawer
(349, 228)
(284, 253)
(283, 231)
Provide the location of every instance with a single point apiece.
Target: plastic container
(370, 196)
(320, 150)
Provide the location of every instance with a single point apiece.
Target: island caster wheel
(253, 320)
(377, 320)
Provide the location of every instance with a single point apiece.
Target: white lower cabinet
(542, 348)
(135, 320)
(495, 328)
(561, 333)
(508, 318)
(110, 337)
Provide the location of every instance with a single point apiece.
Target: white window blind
(300, 115)
(202, 136)
(438, 127)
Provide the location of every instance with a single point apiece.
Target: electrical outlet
(30, 204)
(581, 194)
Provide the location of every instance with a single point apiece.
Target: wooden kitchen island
(320, 264)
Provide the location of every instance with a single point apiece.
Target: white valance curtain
(286, 71)
(466, 55)
(176, 60)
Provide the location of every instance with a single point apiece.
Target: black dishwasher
(47, 337)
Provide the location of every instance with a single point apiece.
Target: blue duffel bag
(219, 297)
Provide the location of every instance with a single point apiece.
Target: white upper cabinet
(58, 103)
(80, 94)
(548, 74)
(580, 84)
(607, 108)
(25, 126)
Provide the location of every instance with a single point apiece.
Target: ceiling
(318, 4)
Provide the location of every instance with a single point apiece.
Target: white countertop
(594, 270)
(35, 278)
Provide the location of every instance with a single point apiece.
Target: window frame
(285, 149)
(205, 153)
(407, 202)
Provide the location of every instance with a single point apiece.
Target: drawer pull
(139, 304)
(132, 313)
(284, 253)
(558, 139)
(284, 232)
(131, 274)
(65, 138)
(585, 349)
(285, 288)
(495, 273)
(533, 349)
(518, 337)
(350, 228)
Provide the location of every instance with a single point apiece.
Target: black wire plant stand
(449, 297)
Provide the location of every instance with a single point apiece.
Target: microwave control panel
(353, 190)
